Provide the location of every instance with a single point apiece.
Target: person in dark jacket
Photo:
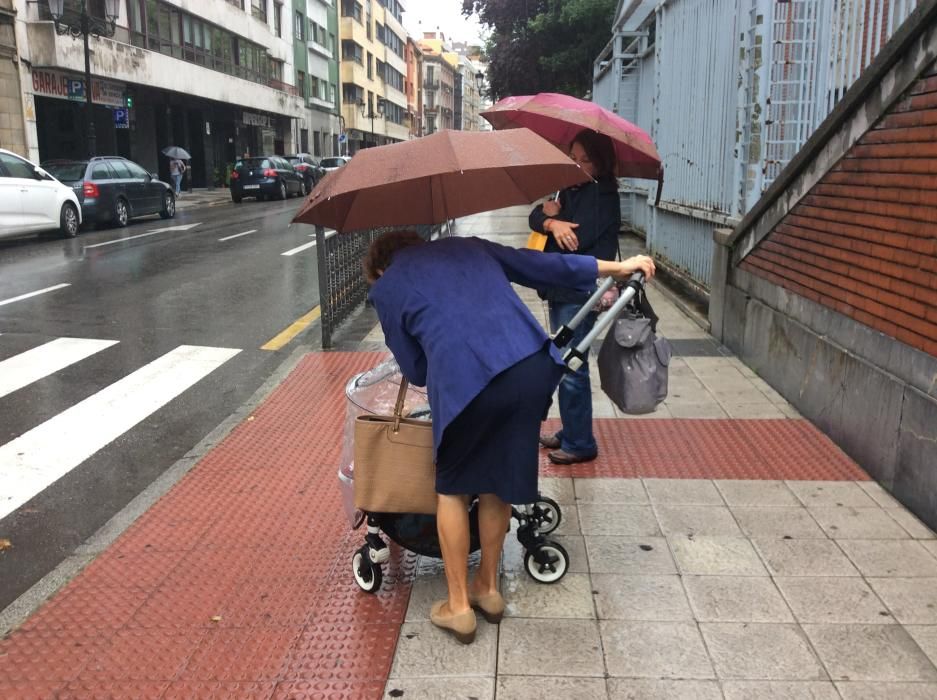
(585, 221)
(455, 324)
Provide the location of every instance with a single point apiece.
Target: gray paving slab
(870, 653)
(714, 556)
(833, 599)
(756, 493)
(883, 558)
(513, 559)
(831, 493)
(804, 557)
(437, 688)
(778, 522)
(625, 491)
(559, 489)
(711, 521)
(887, 691)
(779, 690)
(710, 410)
(544, 648)
(754, 651)
(913, 601)
(538, 687)
(748, 410)
(654, 650)
(615, 519)
(736, 599)
(629, 555)
(926, 638)
(570, 597)
(914, 527)
(684, 492)
(425, 651)
(878, 494)
(844, 522)
(649, 598)
(644, 689)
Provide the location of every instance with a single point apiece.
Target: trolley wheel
(546, 515)
(368, 576)
(547, 563)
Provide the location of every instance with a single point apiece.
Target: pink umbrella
(559, 118)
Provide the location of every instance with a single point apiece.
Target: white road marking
(32, 294)
(238, 235)
(183, 227)
(305, 246)
(32, 365)
(41, 456)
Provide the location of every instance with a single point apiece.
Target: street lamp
(84, 25)
(479, 81)
(367, 112)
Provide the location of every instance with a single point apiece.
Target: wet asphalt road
(150, 294)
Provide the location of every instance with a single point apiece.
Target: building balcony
(355, 31)
(319, 49)
(430, 84)
(430, 109)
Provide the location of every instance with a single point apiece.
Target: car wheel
(281, 190)
(303, 190)
(68, 220)
(121, 213)
(169, 206)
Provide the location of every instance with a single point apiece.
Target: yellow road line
(294, 329)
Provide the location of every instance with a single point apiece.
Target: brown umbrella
(439, 177)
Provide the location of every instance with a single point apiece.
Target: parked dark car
(113, 190)
(308, 167)
(265, 176)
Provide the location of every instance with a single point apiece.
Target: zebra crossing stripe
(32, 365)
(41, 456)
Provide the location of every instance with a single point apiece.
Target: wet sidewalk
(719, 548)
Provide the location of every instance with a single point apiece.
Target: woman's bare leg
(452, 524)
(494, 516)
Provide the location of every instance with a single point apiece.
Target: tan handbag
(394, 467)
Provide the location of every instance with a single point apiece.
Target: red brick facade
(864, 240)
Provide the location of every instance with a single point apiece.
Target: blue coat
(453, 321)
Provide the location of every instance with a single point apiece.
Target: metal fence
(729, 90)
(342, 287)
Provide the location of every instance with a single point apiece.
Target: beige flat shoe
(491, 606)
(461, 626)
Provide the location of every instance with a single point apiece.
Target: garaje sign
(49, 83)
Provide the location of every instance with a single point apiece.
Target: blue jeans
(575, 390)
(177, 180)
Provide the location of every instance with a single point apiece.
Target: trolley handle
(576, 356)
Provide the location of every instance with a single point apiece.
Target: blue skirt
(492, 445)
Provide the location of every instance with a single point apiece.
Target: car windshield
(253, 163)
(332, 162)
(294, 160)
(66, 172)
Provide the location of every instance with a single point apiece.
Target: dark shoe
(461, 626)
(564, 457)
(550, 442)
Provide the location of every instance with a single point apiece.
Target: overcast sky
(426, 15)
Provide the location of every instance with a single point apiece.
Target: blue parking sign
(121, 118)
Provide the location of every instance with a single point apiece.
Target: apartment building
(438, 82)
(414, 57)
(316, 46)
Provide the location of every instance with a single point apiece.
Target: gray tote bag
(633, 364)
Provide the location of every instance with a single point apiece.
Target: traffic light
(129, 100)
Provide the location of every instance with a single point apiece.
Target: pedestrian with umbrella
(177, 167)
(583, 220)
(455, 324)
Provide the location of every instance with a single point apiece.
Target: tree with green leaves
(542, 45)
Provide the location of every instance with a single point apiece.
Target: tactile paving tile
(29, 691)
(710, 449)
(236, 583)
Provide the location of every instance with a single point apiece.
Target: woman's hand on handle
(623, 269)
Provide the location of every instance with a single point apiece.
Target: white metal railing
(730, 90)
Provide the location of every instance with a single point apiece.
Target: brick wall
(864, 240)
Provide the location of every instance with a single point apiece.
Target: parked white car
(31, 200)
(331, 164)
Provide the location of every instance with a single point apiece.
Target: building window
(352, 94)
(301, 83)
(332, 45)
(259, 10)
(370, 70)
(278, 19)
(350, 8)
(276, 70)
(237, 3)
(352, 52)
(299, 26)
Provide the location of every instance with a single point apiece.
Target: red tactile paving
(710, 449)
(237, 583)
